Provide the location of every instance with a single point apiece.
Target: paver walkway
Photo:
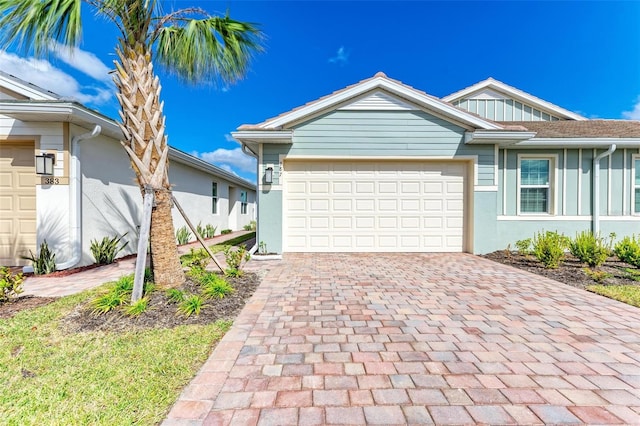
(47, 286)
(428, 338)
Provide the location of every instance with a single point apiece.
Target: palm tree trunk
(146, 143)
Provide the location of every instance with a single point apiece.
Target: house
(91, 192)
(382, 167)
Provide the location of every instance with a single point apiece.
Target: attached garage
(374, 206)
(17, 202)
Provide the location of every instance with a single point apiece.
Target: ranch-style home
(383, 167)
(65, 178)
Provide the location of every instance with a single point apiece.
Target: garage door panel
(374, 206)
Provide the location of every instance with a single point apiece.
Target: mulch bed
(13, 306)
(571, 271)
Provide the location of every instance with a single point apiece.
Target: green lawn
(48, 376)
(629, 294)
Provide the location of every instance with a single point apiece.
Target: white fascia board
(515, 93)
(579, 143)
(404, 92)
(25, 89)
(504, 138)
(263, 136)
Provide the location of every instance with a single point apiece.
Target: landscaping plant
(214, 286)
(45, 262)
(628, 250)
(183, 235)
(590, 248)
(10, 284)
(210, 231)
(225, 231)
(251, 226)
(596, 275)
(119, 294)
(191, 305)
(105, 251)
(234, 259)
(524, 246)
(548, 247)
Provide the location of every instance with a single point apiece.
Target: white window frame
(214, 198)
(553, 183)
(243, 204)
(635, 171)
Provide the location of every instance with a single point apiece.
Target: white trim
(497, 137)
(579, 181)
(602, 143)
(624, 181)
(496, 155)
(568, 218)
(473, 158)
(634, 171)
(485, 188)
(262, 136)
(379, 82)
(27, 89)
(517, 94)
(564, 182)
(609, 185)
(504, 182)
(553, 183)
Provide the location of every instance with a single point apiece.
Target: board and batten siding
(504, 110)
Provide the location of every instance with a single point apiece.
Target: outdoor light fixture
(268, 175)
(44, 164)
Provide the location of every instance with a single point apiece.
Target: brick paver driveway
(433, 338)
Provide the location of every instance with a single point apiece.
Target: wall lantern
(44, 164)
(268, 175)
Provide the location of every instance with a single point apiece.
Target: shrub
(191, 305)
(590, 249)
(262, 247)
(226, 231)
(632, 274)
(549, 248)
(119, 295)
(45, 262)
(183, 235)
(175, 295)
(105, 251)
(10, 284)
(138, 307)
(628, 250)
(234, 259)
(210, 231)
(524, 246)
(251, 226)
(195, 259)
(215, 287)
(596, 275)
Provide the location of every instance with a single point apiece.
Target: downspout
(75, 199)
(596, 188)
(248, 151)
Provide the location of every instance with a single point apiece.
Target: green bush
(119, 295)
(548, 247)
(105, 251)
(234, 259)
(10, 284)
(183, 235)
(215, 287)
(191, 305)
(597, 276)
(590, 249)
(138, 307)
(175, 295)
(524, 246)
(207, 231)
(226, 231)
(628, 250)
(45, 262)
(195, 259)
(251, 226)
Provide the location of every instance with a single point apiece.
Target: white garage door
(397, 206)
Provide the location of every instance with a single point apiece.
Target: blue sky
(582, 56)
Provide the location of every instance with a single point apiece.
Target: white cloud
(83, 61)
(341, 57)
(635, 114)
(232, 158)
(229, 138)
(42, 73)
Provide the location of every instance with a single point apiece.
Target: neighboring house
(92, 192)
(380, 167)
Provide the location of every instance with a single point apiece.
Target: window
(214, 198)
(243, 202)
(637, 185)
(535, 185)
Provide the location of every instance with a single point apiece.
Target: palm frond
(209, 48)
(37, 23)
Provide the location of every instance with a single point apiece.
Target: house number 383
(50, 181)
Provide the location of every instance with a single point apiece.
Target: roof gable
(377, 92)
(12, 86)
(493, 89)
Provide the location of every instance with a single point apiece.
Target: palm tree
(190, 42)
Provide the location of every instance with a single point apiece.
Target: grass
(52, 377)
(629, 294)
(199, 253)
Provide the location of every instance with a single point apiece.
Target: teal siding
(388, 133)
(485, 222)
(572, 183)
(587, 178)
(270, 219)
(271, 155)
